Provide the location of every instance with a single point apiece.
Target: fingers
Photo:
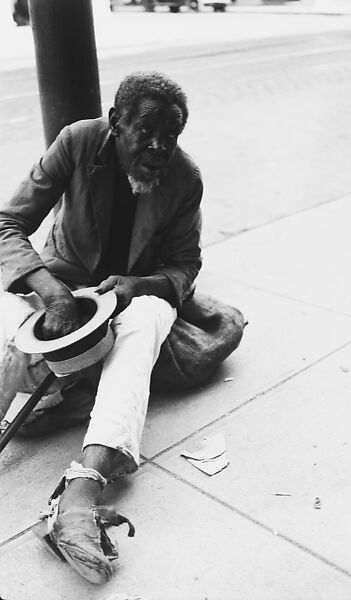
(122, 286)
(52, 330)
(107, 285)
(60, 319)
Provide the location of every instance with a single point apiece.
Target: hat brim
(27, 341)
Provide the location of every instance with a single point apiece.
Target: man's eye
(172, 135)
(144, 131)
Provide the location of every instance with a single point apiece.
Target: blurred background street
(269, 88)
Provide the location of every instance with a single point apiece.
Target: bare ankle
(99, 458)
(80, 492)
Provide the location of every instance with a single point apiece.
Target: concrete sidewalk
(282, 401)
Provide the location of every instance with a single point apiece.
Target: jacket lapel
(101, 177)
(149, 213)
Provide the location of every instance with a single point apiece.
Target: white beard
(142, 187)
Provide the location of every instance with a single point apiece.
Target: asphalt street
(267, 121)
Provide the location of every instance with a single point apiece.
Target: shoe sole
(97, 572)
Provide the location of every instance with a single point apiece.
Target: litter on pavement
(317, 503)
(208, 454)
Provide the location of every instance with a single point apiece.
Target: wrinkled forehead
(159, 110)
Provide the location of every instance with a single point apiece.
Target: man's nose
(157, 145)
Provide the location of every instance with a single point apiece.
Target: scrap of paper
(208, 454)
(317, 503)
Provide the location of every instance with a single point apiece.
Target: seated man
(129, 222)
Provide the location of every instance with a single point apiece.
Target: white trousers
(118, 416)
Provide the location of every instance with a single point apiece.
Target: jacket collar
(106, 150)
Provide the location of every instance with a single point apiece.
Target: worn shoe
(79, 533)
(80, 536)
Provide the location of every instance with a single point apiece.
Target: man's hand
(125, 289)
(61, 312)
(61, 317)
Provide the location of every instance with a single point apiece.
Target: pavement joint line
(229, 235)
(286, 297)
(245, 46)
(247, 402)
(255, 521)
(18, 535)
(228, 64)
(269, 58)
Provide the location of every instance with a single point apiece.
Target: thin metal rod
(27, 408)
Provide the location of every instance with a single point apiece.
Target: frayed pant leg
(118, 417)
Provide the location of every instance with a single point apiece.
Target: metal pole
(67, 68)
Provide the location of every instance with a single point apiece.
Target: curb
(287, 11)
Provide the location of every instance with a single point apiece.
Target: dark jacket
(79, 166)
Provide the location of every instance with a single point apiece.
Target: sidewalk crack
(246, 403)
(255, 521)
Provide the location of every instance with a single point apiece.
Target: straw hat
(79, 349)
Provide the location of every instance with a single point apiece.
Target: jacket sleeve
(180, 249)
(27, 209)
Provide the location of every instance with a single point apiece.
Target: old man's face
(147, 143)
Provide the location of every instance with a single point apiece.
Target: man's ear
(113, 121)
